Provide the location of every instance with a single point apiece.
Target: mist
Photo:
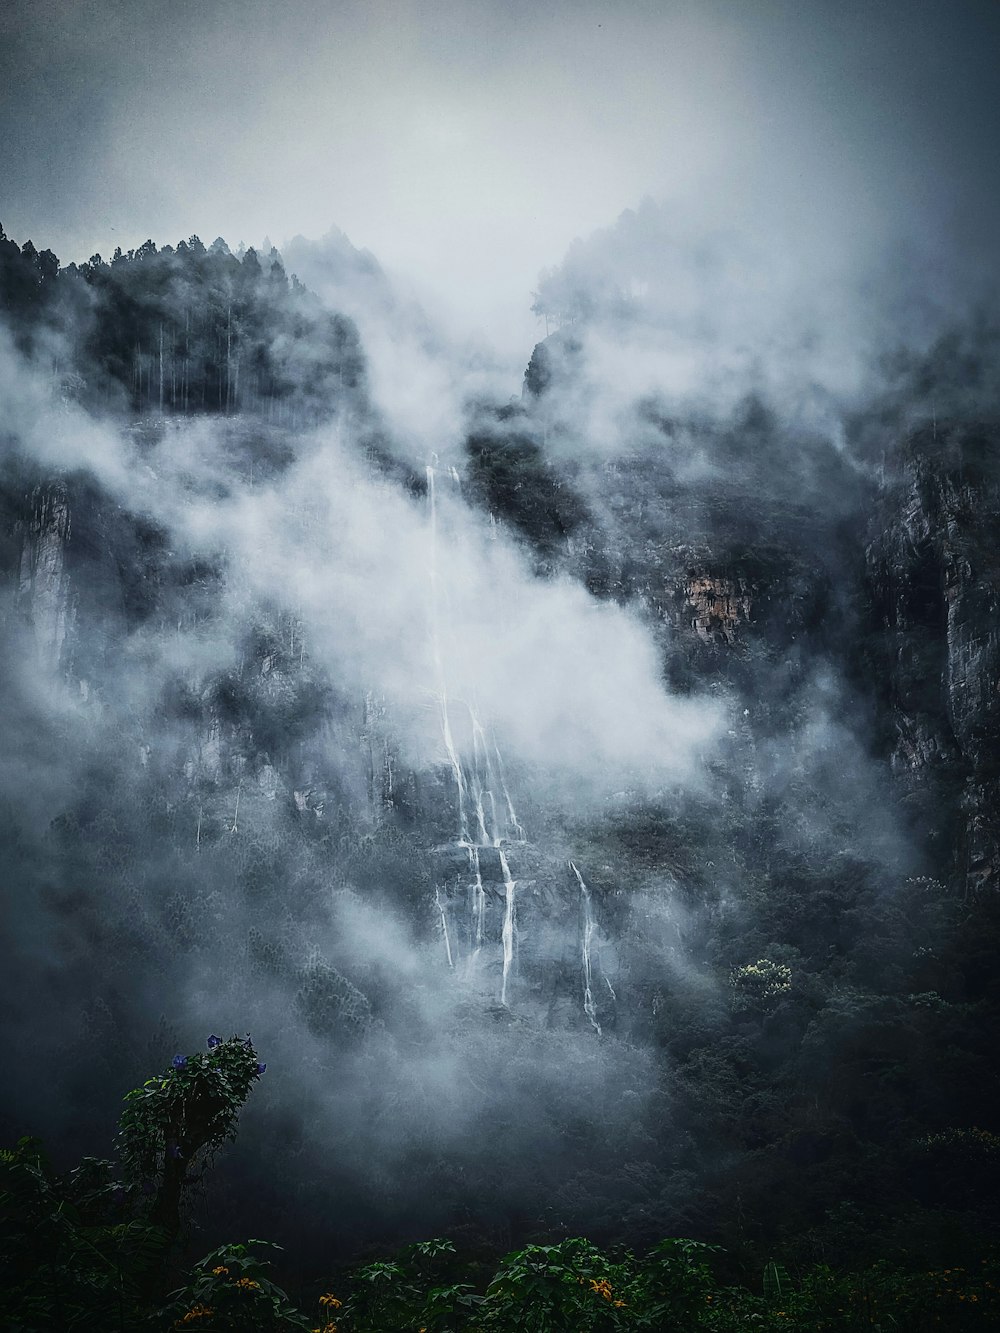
(520, 642)
(405, 611)
(467, 145)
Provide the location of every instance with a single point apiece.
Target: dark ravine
(195, 804)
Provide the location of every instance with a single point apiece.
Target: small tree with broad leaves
(173, 1125)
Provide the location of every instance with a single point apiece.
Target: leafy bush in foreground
(96, 1251)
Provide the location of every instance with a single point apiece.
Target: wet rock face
(84, 572)
(716, 606)
(43, 584)
(934, 576)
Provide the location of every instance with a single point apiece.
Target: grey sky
(466, 144)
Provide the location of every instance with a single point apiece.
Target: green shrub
(229, 1291)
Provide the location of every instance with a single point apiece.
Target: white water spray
(444, 926)
(512, 817)
(507, 933)
(442, 686)
(589, 925)
(478, 903)
(486, 815)
(479, 780)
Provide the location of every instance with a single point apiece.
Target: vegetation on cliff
(767, 1023)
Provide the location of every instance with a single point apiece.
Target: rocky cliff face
(42, 578)
(234, 827)
(934, 574)
(747, 547)
(717, 606)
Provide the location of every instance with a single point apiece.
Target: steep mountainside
(934, 575)
(598, 837)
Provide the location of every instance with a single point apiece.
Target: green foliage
(576, 1286)
(543, 1288)
(185, 329)
(881, 1297)
(975, 1145)
(86, 1250)
(672, 1283)
(413, 1292)
(70, 1256)
(760, 985)
(510, 476)
(230, 1290)
(174, 1124)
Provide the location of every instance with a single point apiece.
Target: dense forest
(185, 329)
(596, 825)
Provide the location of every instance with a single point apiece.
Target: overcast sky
(467, 142)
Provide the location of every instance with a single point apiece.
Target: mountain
(595, 826)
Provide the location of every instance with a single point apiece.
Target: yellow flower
(197, 1311)
(218, 1272)
(330, 1300)
(247, 1284)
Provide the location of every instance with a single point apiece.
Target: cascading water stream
(478, 904)
(483, 782)
(507, 933)
(589, 925)
(444, 926)
(478, 779)
(511, 816)
(442, 691)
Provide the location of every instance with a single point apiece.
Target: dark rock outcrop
(934, 576)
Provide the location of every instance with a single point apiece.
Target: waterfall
(442, 694)
(478, 787)
(507, 934)
(478, 903)
(489, 776)
(442, 687)
(486, 815)
(511, 816)
(589, 925)
(483, 781)
(444, 926)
